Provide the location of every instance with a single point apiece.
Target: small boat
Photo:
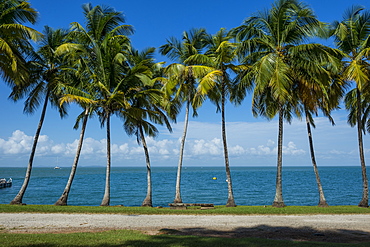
(57, 167)
(5, 183)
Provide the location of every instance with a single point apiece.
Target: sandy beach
(330, 228)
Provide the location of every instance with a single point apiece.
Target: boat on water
(5, 183)
(57, 167)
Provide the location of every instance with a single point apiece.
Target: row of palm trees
(269, 56)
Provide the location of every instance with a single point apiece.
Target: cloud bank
(254, 142)
(20, 143)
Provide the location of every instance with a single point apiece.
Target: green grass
(136, 239)
(240, 210)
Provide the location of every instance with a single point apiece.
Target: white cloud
(137, 150)
(261, 150)
(58, 149)
(202, 147)
(92, 146)
(237, 150)
(271, 149)
(20, 143)
(292, 149)
(120, 149)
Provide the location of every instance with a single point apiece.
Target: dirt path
(330, 228)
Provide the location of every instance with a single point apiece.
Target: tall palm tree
(220, 54)
(104, 60)
(146, 97)
(270, 43)
(223, 54)
(46, 82)
(352, 37)
(15, 48)
(321, 88)
(182, 80)
(79, 90)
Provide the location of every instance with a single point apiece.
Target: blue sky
(252, 142)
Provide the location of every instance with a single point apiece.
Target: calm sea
(252, 185)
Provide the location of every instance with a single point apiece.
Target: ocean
(251, 185)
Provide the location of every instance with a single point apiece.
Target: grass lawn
(239, 210)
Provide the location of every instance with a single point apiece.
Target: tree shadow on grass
(258, 236)
(284, 233)
(262, 235)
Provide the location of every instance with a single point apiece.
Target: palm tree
(81, 91)
(14, 39)
(182, 80)
(220, 55)
(352, 36)
(321, 88)
(104, 60)
(145, 97)
(46, 82)
(270, 43)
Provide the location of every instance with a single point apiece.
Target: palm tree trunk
(278, 201)
(365, 192)
(106, 197)
(230, 199)
(62, 201)
(148, 199)
(322, 200)
(18, 198)
(179, 166)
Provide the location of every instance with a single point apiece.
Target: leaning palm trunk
(179, 166)
(278, 201)
(148, 199)
(106, 197)
(230, 199)
(365, 192)
(322, 200)
(62, 201)
(18, 198)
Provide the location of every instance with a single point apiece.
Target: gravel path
(319, 227)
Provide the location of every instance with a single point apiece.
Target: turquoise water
(252, 185)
